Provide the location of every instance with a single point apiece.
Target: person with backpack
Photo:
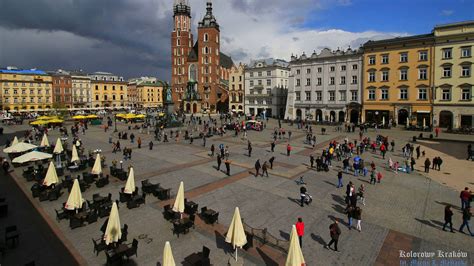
(334, 232)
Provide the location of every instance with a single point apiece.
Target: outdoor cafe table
(81, 215)
(73, 167)
(98, 198)
(210, 212)
(189, 204)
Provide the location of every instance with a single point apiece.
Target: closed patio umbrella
(178, 205)
(75, 200)
(19, 147)
(236, 233)
(295, 255)
(97, 169)
(168, 259)
(51, 176)
(58, 148)
(44, 141)
(130, 185)
(113, 232)
(32, 157)
(75, 156)
(15, 141)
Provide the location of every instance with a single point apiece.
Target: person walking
(339, 179)
(360, 193)
(350, 213)
(417, 150)
(265, 168)
(466, 217)
(440, 161)
(392, 145)
(383, 150)
(311, 160)
(469, 152)
(139, 142)
(150, 145)
(300, 230)
(271, 161)
(465, 196)
(227, 166)
(219, 162)
(372, 177)
(358, 218)
(427, 165)
(448, 218)
(257, 167)
(334, 232)
(250, 150)
(288, 149)
(412, 164)
(273, 146)
(212, 150)
(302, 195)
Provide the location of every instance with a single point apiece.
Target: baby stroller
(308, 199)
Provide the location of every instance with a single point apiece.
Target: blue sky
(413, 17)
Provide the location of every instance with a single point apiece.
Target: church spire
(181, 7)
(209, 21)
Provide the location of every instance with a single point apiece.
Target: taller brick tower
(181, 44)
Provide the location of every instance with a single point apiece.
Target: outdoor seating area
(199, 258)
(209, 216)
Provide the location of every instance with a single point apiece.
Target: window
(403, 57)
(332, 69)
(206, 37)
(403, 74)
(269, 91)
(372, 60)
(320, 69)
(354, 67)
(372, 76)
(423, 55)
(97, 97)
(319, 96)
(251, 83)
(251, 74)
(422, 94)
(385, 75)
(308, 82)
(354, 96)
(260, 82)
(466, 94)
(343, 80)
(447, 72)
(298, 72)
(269, 82)
(343, 68)
(422, 73)
(259, 73)
(332, 96)
(447, 53)
(384, 94)
(331, 81)
(308, 71)
(371, 94)
(298, 82)
(269, 73)
(308, 95)
(385, 59)
(465, 51)
(445, 94)
(403, 94)
(298, 96)
(466, 71)
(342, 95)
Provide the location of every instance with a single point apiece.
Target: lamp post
(121, 165)
(115, 127)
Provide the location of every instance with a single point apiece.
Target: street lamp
(115, 120)
(121, 165)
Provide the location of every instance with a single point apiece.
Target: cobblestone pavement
(404, 212)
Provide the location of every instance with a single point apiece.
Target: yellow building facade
(108, 90)
(146, 93)
(397, 80)
(236, 89)
(25, 90)
(453, 105)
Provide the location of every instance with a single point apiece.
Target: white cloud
(447, 12)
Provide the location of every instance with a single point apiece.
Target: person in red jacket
(288, 149)
(300, 230)
(465, 198)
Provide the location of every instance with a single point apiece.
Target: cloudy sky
(131, 37)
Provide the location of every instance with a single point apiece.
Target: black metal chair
(92, 216)
(179, 229)
(132, 250)
(74, 222)
(99, 246)
(113, 259)
(124, 234)
(61, 215)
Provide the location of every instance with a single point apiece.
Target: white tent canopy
(44, 141)
(32, 157)
(20, 147)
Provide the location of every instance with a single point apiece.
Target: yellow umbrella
(129, 116)
(168, 259)
(75, 200)
(179, 201)
(295, 255)
(15, 141)
(140, 116)
(51, 176)
(113, 232)
(79, 117)
(97, 169)
(46, 117)
(91, 116)
(236, 233)
(130, 185)
(58, 148)
(120, 115)
(55, 121)
(75, 156)
(44, 141)
(19, 147)
(31, 157)
(39, 122)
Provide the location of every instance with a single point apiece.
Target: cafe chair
(124, 234)
(123, 197)
(61, 215)
(132, 250)
(113, 259)
(99, 246)
(74, 222)
(12, 235)
(179, 229)
(92, 217)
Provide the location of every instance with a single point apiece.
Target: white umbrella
(97, 169)
(75, 200)
(15, 141)
(75, 156)
(113, 232)
(130, 185)
(295, 255)
(424, 123)
(59, 147)
(51, 176)
(179, 201)
(32, 156)
(19, 147)
(44, 141)
(383, 120)
(168, 259)
(236, 233)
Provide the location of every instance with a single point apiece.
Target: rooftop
(34, 71)
(455, 24)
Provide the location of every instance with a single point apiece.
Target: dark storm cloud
(136, 32)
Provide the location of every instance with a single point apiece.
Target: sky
(131, 38)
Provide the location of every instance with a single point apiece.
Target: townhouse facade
(81, 90)
(108, 90)
(62, 89)
(236, 89)
(146, 92)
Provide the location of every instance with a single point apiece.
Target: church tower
(181, 44)
(209, 59)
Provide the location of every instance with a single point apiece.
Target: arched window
(206, 37)
(178, 42)
(217, 39)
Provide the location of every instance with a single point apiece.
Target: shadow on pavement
(268, 261)
(318, 239)
(285, 235)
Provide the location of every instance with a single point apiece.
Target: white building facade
(326, 86)
(266, 87)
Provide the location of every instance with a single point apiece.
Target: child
(379, 177)
(395, 167)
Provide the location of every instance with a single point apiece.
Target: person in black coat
(334, 232)
(219, 162)
(271, 162)
(257, 167)
(302, 195)
(448, 218)
(227, 166)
